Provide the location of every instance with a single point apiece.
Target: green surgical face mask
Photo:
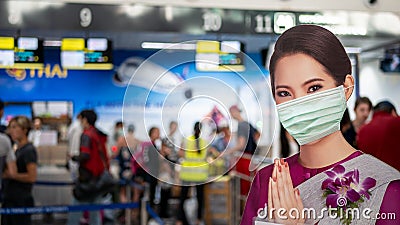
(313, 116)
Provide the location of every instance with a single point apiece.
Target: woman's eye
(283, 93)
(314, 88)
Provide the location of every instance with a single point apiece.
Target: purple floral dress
(258, 195)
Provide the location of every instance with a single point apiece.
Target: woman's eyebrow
(282, 86)
(312, 80)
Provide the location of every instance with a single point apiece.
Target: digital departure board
(90, 53)
(21, 53)
(220, 56)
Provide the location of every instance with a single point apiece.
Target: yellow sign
(72, 44)
(207, 47)
(6, 43)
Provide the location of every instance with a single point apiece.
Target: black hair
(151, 130)
(1, 104)
(90, 116)
(197, 131)
(363, 100)
(384, 106)
(284, 143)
(316, 42)
(345, 120)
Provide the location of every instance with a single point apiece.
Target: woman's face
(155, 134)
(362, 111)
(299, 75)
(16, 131)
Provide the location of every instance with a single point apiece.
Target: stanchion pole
(144, 201)
(237, 199)
(232, 199)
(128, 199)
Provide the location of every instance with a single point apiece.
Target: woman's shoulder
(394, 186)
(390, 202)
(381, 166)
(393, 189)
(28, 147)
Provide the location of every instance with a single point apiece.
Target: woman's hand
(284, 202)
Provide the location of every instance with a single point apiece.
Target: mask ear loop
(349, 87)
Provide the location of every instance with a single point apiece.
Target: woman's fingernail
(279, 168)
(282, 161)
(298, 192)
(273, 179)
(286, 164)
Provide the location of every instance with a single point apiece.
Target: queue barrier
(82, 207)
(67, 208)
(145, 211)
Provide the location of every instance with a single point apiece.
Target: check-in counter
(52, 194)
(51, 169)
(52, 155)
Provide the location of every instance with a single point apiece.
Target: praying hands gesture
(284, 202)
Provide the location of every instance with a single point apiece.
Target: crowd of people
(152, 164)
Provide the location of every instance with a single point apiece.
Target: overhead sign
(90, 53)
(175, 19)
(220, 56)
(21, 53)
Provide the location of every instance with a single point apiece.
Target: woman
(126, 145)
(18, 190)
(311, 82)
(362, 108)
(194, 171)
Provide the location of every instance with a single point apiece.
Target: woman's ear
(348, 86)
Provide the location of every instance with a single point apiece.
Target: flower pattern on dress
(344, 191)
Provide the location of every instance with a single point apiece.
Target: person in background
(126, 146)
(362, 109)
(17, 190)
(74, 141)
(224, 139)
(148, 158)
(166, 176)
(117, 133)
(175, 137)
(36, 132)
(380, 137)
(193, 172)
(93, 160)
(3, 127)
(284, 144)
(7, 155)
(222, 142)
(246, 143)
